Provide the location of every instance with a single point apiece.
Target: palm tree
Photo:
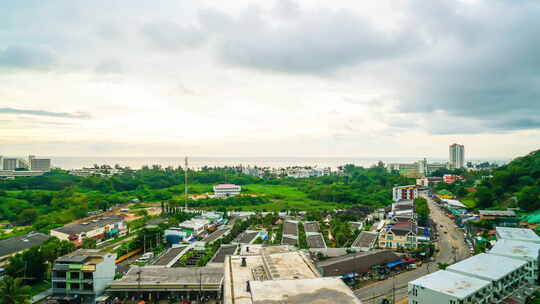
(13, 292)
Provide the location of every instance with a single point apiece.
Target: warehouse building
(99, 228)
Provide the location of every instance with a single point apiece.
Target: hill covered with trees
(514, 184)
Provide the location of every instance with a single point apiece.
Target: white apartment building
(525, 251)
(510, 269)
(445, 287)
(10, 163)
(505, 274)
(226, 190)
(40, 164)
(517, 234)
(457, 156)
(409, 192)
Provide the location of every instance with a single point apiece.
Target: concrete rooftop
(518, 249)
(156, 275)
(451, 283)
(302, 291)
(488, 266)
(264, 267)
(517, 234)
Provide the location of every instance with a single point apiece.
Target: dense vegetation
(422, 210)
(515, 184)
(51, 200)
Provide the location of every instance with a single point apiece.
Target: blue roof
(394, 263)
(349, 275)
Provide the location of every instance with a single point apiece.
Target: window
(61, 285)
(60, 274)
(74, 275)
(88, 275)
(75, 286)
(88, 286)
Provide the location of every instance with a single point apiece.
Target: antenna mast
(185, 184)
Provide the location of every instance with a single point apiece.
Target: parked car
(145, 257)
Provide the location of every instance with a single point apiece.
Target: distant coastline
(272, 162)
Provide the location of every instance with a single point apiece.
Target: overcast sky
(269, 78)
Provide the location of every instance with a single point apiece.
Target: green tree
(28, 216)
(422, 209)
(485, 197)
(12, 291)
(529, 198)
(89, 243)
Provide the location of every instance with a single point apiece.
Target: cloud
(172, 36)
(79, 115)
(26, 57)
(315, 42)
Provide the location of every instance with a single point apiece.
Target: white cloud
(274, 78)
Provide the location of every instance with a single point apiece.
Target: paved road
(375, 292)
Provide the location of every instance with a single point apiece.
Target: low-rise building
(83, 275)
(501, 218)
(226, 190)
(402, 235)
(517, 234)
(277, 276)
(157, 283)
(187, 230)
(13, 245)
(409, 192)
(365, 241)
(356, 263)
(10, 174)
(98, 228)
(451, 178)
(447, 287)
(504, 274)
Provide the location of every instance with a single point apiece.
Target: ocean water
(198, 162)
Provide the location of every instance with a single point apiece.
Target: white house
(226, 190)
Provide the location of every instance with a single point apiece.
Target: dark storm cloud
(26, 57)
(44, 113)
(315, 43)
(483, 66)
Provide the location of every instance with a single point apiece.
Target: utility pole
(139, 282)
(394, 289)
(185, 183)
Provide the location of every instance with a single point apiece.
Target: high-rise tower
(457, 156)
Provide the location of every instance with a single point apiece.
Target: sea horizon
(136, 162)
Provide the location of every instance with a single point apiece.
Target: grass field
(284, 197)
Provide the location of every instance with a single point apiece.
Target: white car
(145, 257)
